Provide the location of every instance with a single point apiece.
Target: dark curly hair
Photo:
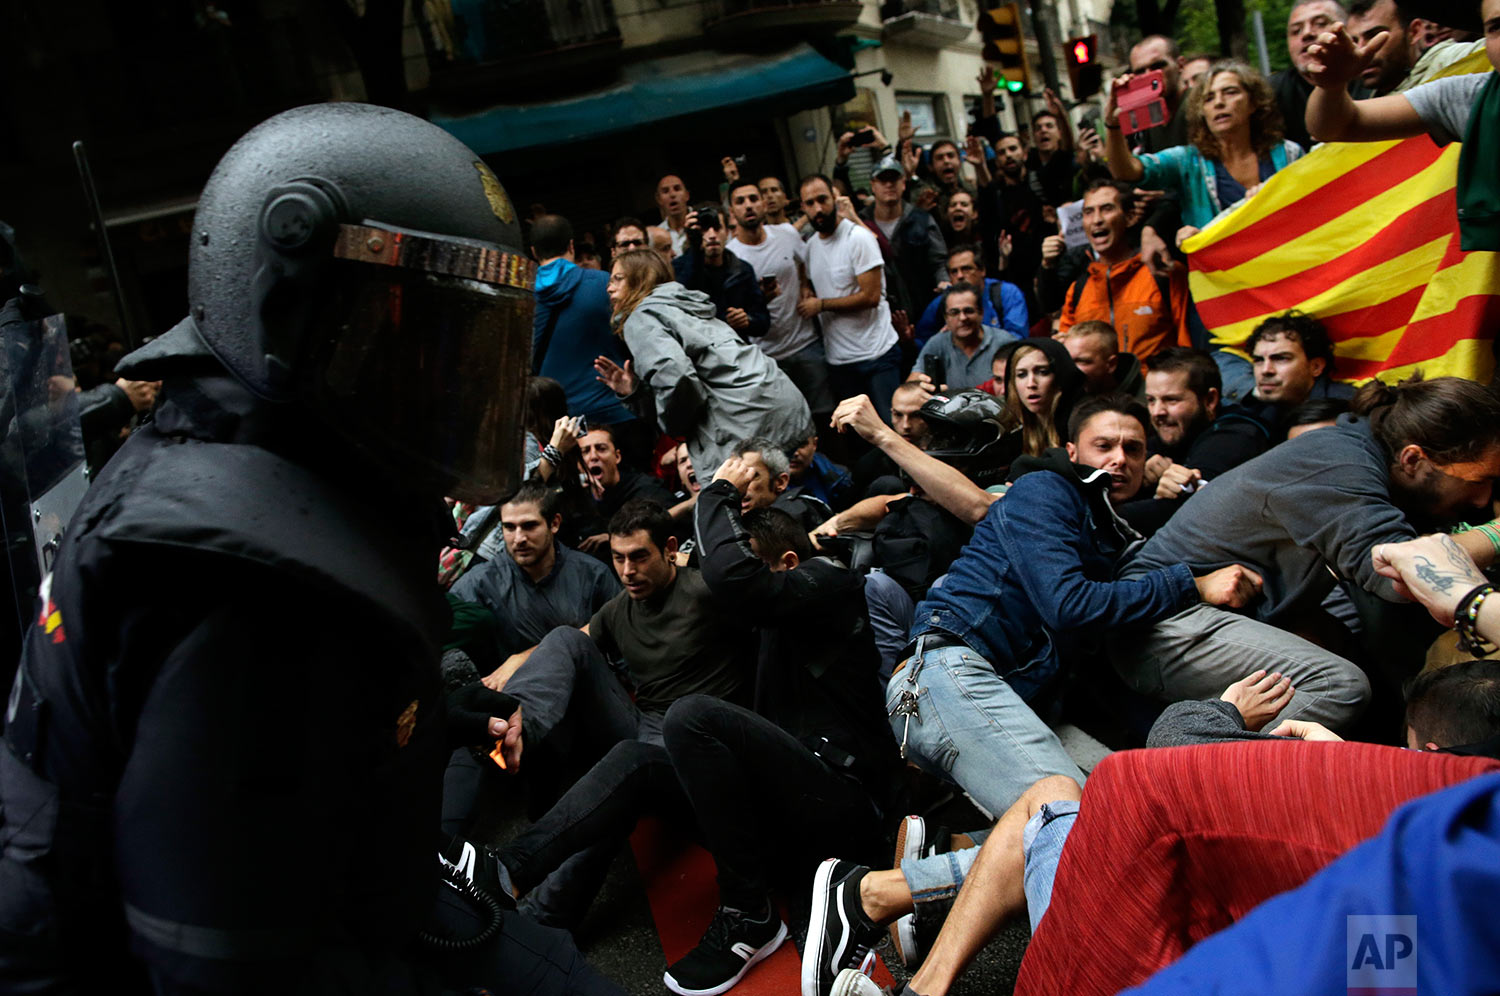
(1266, 128)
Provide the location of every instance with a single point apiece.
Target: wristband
(1466, 617)
(1492, 534)
(553, 455)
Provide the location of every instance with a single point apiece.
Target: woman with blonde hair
(1042, 383)
(691, 371)
(1235, 143)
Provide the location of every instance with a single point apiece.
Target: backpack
(917, 542)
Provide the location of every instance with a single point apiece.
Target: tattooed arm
(1437, 572)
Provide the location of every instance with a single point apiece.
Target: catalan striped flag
(1365, 236)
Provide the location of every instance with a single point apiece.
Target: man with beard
(1024, 220)
(947, 166)
(1396, 56)
(612, 484)
(541, 584)
(848, 279)
(1148, 313)
(1305, 516)
(778, 256)
(1196, 439)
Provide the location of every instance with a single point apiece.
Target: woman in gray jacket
(707, 385)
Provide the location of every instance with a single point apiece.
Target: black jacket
(230, 712)
(731, 285)
(921, 256)
(818, 672)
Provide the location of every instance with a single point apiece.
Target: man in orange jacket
(1148, 314)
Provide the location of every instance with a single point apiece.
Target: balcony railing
(753, 20)
(503, 39)
(931, 23)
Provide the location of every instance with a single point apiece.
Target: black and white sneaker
(480, 866)
(839, 935)
(732, 944)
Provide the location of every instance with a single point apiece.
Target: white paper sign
(1070, 220)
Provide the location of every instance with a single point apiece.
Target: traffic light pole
(1043, 32)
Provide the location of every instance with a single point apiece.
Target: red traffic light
(1081, 53)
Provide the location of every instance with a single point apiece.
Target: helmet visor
(422, 355)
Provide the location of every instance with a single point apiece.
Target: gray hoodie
(709, 387)
(1302, 515)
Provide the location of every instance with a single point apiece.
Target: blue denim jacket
(1036, 580)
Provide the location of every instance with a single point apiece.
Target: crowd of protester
(834, 491)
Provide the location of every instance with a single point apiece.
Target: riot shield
(42, 470)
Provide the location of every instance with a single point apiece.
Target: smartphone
(937, 369)
(863, 137)
(1143, 103)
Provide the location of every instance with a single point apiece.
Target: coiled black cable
(480, 900)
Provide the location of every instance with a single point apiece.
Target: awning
(658, 90)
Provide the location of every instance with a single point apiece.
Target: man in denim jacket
(1034, 580)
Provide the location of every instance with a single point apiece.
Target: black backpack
(917, 542)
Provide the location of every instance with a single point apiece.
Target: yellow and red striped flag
(1364, 236)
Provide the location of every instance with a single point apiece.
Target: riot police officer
(224, 747)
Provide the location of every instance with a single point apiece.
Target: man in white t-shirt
(672, 198)
(848, 292)
(778, 256)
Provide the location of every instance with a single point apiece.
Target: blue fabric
(1437, 859)
(654, 90)
(1013, 302)
(1183, 169)
(1034, 581)
(581, 334)
(1042, 841)
(825, 480)
(1231, 191)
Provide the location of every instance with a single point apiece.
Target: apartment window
(929, 114)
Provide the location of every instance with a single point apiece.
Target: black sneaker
(839, 935)
(731, 945)
(480, 866)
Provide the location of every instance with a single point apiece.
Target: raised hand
(621, 380)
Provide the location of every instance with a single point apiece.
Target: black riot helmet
(366, 266)
(969, 430)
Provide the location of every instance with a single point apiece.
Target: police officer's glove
(470, 708)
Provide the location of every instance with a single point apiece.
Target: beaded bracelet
(1465, 618)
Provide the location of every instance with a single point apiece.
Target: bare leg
(885, 895)
(993, 891)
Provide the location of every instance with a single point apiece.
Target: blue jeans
(1043, 841)
(972, 728)
(878, 378)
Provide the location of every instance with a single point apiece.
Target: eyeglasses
(629, 243)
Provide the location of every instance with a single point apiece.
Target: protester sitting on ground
(1045, 854)
(1095, 348)
(696, 377)
(1022, 599)
(769, 485)
(538, 583)
(1236, 144)
(959, 356)
(612, 483)
(1456, 108)
(816, 476)
(1304, 516)
(815, 752)
(707, 265)
(1194, 441)
(1003, 302)
(1147, 312)
(1314, 413)
(1042, 384)
(674, 639)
